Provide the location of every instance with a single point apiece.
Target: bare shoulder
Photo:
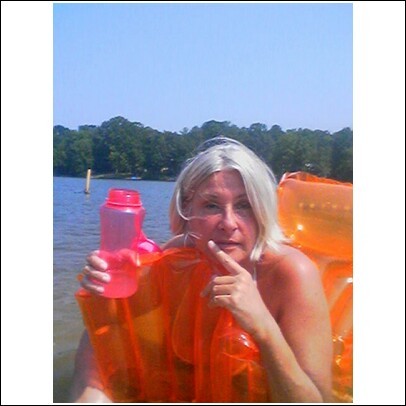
(175, 242)
(291, 275)
(289, 262)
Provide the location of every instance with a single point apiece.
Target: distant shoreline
(118, 176)
(115, 176)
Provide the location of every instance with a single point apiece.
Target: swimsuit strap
(254, 274)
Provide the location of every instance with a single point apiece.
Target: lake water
(76, 233)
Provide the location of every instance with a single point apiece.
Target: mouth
(227, 245)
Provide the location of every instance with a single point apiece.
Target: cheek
(250, 232)
(203, 226)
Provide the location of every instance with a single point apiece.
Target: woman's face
(220, 211)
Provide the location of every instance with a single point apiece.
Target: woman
(224, 204)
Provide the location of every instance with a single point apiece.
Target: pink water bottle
(121, 218)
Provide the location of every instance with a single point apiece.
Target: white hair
(223, 153)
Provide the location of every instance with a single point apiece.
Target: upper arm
(305, 321)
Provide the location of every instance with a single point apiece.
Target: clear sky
(28, 113)
(175, 66)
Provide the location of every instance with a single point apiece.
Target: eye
(211, 206)
(244, 205)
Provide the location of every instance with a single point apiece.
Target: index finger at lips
(231, 266)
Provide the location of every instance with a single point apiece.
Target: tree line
(120, 148)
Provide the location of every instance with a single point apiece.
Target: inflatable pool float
(316, 214)
(164, 344)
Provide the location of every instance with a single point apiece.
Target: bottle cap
(123, 197)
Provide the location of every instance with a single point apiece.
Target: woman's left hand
(236, 292)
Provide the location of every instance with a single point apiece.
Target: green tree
(342, 156)
(126, 148)
(79, 155)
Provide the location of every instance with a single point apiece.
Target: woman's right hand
(94, 274)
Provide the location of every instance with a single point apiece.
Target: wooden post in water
(87, 188)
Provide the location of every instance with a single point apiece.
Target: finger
(207, 288)
(128, 256)
(92, 273)
(218, 284)
(91, 287)
(221, 290)
(228, 263)
(95, 261)
(224, 280)
(220, 301)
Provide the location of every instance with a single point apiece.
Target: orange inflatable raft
(164, 344)
(316, 214)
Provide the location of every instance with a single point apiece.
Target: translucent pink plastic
(121, 240)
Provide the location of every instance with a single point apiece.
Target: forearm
(91, 395)
(287, 381)
(86, 384)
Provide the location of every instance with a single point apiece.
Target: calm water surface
(75, 234)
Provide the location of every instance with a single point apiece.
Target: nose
(228, 220)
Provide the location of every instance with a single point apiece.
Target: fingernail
(106, 277)
(211, 244)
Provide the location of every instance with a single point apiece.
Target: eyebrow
(213, 196)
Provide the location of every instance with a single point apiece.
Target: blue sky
(171, 66)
